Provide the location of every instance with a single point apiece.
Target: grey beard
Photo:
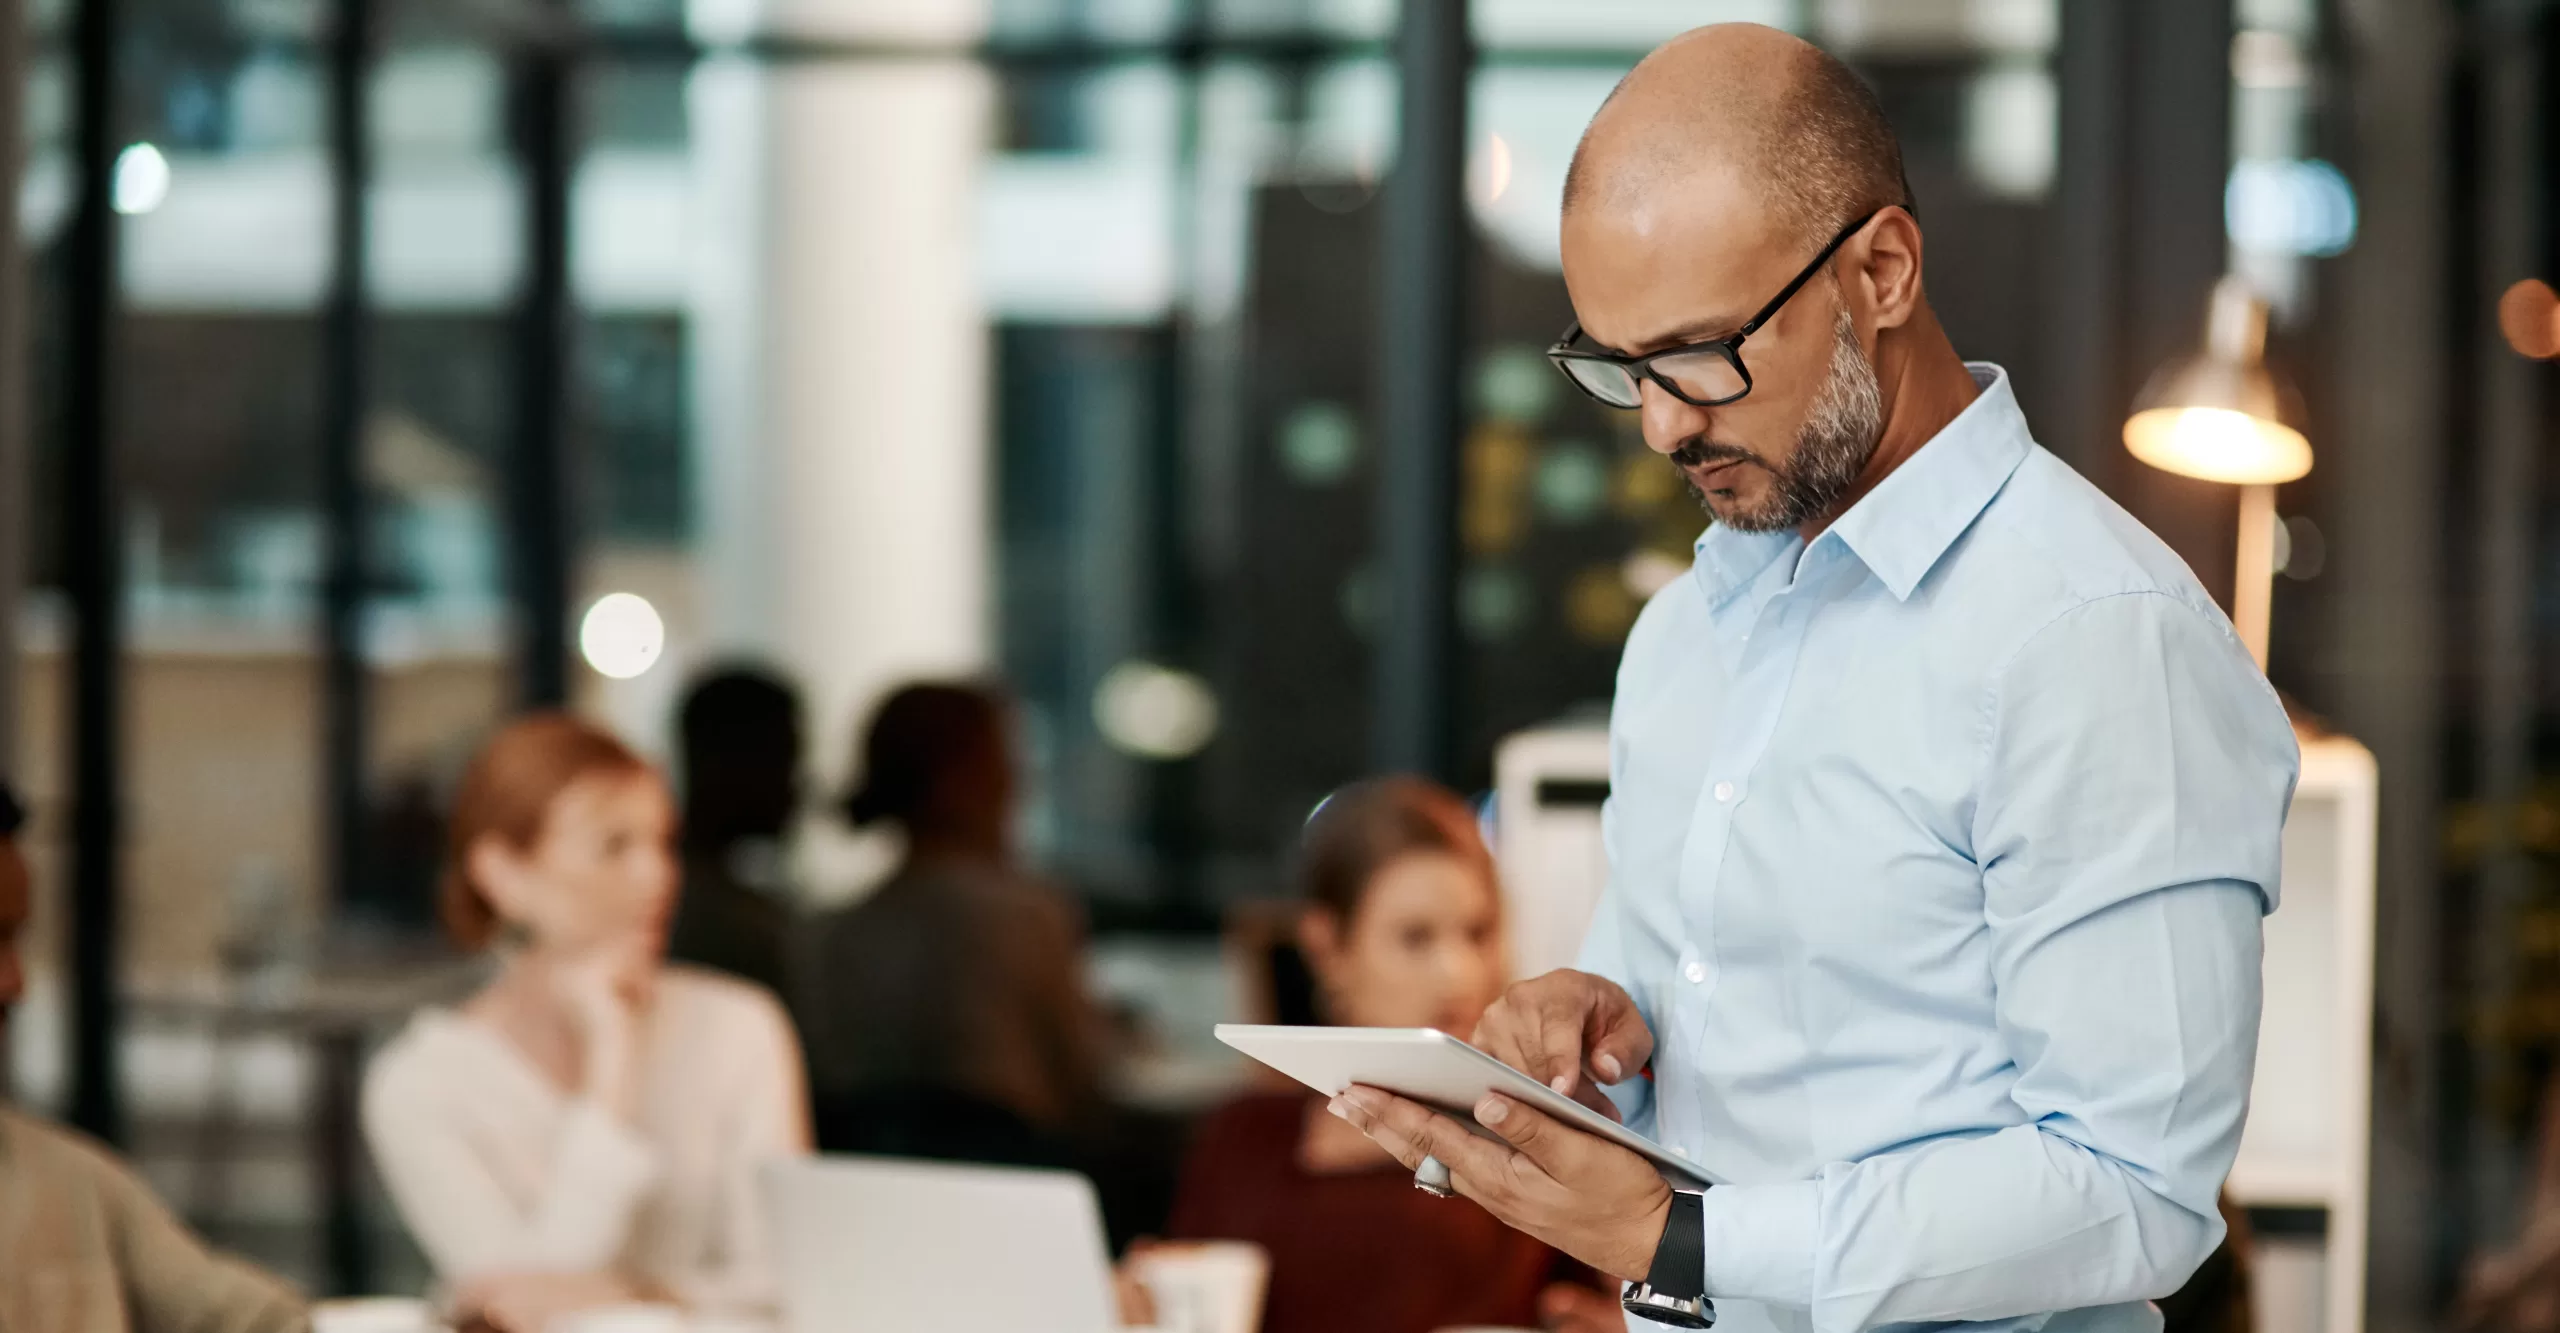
(1838, 437)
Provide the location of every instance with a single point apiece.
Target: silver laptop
(874, 1245)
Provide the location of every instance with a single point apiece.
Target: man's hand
(1577, 1192)
(1569, 1030)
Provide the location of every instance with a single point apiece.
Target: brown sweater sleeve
(172, 1283)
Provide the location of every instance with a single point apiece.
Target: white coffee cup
(1213, 1286)
(374, 1314)
(635, 1317)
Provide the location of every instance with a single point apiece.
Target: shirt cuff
(1760, 1241)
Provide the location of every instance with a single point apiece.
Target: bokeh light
(141, 179)
(1155, 711)
(2529, 314)
(622, 635)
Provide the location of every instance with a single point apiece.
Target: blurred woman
(1403, 929)
(945, 1011)
(586, 1129)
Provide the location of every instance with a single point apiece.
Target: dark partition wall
(15, 279)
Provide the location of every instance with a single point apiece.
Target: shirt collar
(1910, 519)
(1900, 528)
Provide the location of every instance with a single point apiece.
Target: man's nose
(1668, 422)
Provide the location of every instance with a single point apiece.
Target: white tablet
(1433, 1068)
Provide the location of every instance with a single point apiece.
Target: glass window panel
(1921, 28)
(664, 15)
(1526, 122)
(1615, 25)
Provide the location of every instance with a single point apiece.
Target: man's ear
(1888, 268)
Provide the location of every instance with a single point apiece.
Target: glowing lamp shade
(2218, 444)
(2221, 415)
(621, 636)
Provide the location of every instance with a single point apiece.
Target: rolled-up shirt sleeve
(2128, 829)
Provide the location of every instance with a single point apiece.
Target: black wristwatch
(1674, 1292)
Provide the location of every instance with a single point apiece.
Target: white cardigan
(497, 1169)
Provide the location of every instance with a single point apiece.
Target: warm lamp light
(2529, 314)
(2218, 444)
(2221, 415)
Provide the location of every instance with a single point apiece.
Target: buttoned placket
(1770, 647)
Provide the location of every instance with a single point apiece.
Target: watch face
(1669, 1311)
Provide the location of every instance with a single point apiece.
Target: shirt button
(1696, 972)
(1724, 791)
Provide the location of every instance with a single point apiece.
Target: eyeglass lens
(1607, 381)
(1702, 376)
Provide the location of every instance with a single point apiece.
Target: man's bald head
(1772, 107)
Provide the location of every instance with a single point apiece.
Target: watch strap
(1680, 1257)
(1674, 1291)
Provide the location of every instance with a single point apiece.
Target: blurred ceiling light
(2223, 416)
(141, 179)
(621, 636)
(1155, 712)
(2009, 124)
(2529, 314)
(1492, 170)
(2288, 206)
(2263, 59)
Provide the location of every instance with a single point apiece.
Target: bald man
(1944, 805)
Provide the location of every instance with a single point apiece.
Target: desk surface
(333, 997)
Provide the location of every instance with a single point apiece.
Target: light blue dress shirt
(1939, 850)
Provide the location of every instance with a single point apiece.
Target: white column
(840, 350)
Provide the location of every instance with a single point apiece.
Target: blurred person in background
(740, 733)
(85, 1247)
(2220, 1297)
(586, 1129)
(2517, 1287)
(945, 1012)
(1403, 929)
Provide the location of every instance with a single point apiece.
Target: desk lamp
(2221, 415)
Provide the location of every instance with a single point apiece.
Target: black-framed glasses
(1701, 374)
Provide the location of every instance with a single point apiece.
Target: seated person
(587, 1129)
(1403, 929)
(84, 1246)
(945, 1012)
(740, 734)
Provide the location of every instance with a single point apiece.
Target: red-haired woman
(1403, 929)
(586, 1129)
